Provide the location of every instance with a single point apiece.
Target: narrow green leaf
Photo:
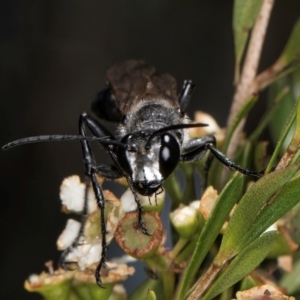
(249, 207)
(285, 106)
(247, 260)
(295, 85)
(244, 15)
(292, 48)
(273, 110)
(284, 200)
(295, 221)
(296, 158)
(260, 152)
(226, 200)
(295, 142)
(283, 135)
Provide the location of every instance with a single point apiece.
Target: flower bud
(69, 234)
(185, 220)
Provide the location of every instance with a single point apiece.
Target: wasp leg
(185, 95)
(140, 210)
(109, 172)
(230, 164)
(98, 130)
(101, 204)
(197, 148)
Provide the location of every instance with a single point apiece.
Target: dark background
(54, 55)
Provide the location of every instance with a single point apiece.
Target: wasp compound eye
(122, 157)
(169, 155)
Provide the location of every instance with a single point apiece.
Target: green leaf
(284, 200)
(247, 260)
(244, 15)
(292, 48)
(285, 136)
(249, 207)
(295, 142)
(295, 83)
(226, 200)
(260, 154)
(277, 98)
(280, 116)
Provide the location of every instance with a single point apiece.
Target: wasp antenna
(65, 137)
(172, 127)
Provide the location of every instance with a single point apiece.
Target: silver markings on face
(151, 173)
(144, 166)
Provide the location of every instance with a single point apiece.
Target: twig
(245, 86)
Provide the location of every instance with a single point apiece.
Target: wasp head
(154, 158)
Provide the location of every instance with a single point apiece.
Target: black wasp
(150, 139)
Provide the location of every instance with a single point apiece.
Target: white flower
(127, 201)
(72, 195)
(85, 255)
(68, 235)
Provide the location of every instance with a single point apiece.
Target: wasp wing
(135, 80)
(130, 82)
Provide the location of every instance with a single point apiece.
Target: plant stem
(178, 247)
(245, 86)
(168, 284)
(204, 282)
(186, 252)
